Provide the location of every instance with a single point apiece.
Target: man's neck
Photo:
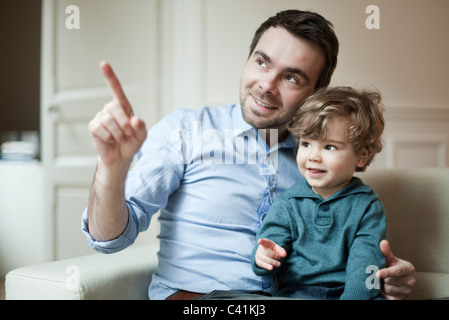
(273, 136)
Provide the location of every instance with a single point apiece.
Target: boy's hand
(268, 254)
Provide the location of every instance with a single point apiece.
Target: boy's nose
(314, 156)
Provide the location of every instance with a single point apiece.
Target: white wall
(406, 59)
(202, 46)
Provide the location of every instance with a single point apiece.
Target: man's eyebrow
(298, 72)
(288, 69)
(263, 55)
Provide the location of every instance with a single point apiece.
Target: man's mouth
(260, 103)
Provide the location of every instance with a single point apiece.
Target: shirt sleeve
(365, 257)
(111, 246)
(155, 176)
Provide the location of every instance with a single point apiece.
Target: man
(214, 173)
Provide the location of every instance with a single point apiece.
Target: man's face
(280, 73)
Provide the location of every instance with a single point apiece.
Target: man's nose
(269, 83)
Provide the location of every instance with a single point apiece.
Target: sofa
(417, 207)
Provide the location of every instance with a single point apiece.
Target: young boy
(321, 237)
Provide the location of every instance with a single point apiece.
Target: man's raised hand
(116, 132)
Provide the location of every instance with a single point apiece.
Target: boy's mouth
(315, 171)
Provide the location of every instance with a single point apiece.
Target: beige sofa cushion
(417, 208)
(430, 285)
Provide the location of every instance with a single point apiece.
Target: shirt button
(325, 207)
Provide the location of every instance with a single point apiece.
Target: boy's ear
(363, 157)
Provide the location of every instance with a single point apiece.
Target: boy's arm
(365, 258)
(273, 239)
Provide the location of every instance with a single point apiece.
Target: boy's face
(280, 73)
(328, 164)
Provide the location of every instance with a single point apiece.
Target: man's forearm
(107, 210)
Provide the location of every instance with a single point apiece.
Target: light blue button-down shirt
(213, 178)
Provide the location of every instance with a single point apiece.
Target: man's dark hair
(310, 26)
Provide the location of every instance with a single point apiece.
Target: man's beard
(260, 121)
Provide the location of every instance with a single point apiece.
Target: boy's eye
(330, 147)
(305, 144)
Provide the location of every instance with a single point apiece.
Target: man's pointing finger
(116, 88)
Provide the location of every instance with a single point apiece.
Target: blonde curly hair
(363, 109)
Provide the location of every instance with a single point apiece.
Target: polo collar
(303, 190)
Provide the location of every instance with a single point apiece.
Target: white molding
(93, 93)
(437, 142)
(417, 113)
(418, 129)
(84, 161)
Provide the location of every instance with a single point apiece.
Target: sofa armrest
(125, 275)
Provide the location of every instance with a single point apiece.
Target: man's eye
(292, 79)
(261, 63)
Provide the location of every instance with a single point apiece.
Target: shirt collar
(240, 126)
